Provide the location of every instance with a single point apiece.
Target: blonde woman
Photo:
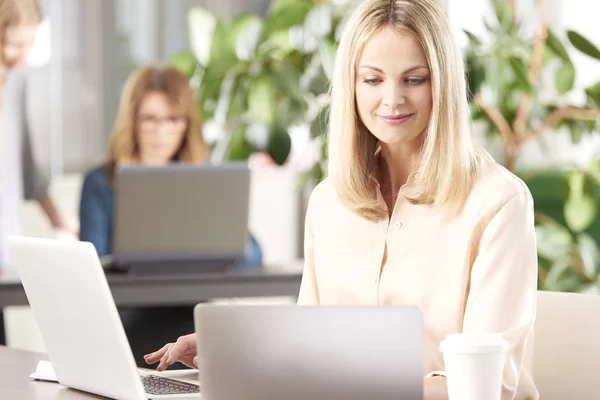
(411, 213)
(20, 175)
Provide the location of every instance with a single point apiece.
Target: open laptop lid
(77, 317)
(181, 212)
(305, 352)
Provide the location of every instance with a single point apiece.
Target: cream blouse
(476, 272)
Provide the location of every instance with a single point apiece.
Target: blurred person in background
(158, 123)
(20, 176)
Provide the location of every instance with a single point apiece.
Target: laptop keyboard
(160, 385)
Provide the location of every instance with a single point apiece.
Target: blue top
(96, 216)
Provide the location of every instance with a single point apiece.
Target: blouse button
(398, 224)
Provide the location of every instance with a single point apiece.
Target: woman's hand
(183, 351)
(435, 388)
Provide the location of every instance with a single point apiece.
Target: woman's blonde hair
(14, 13)
(18, 12)
(176, 87)
(448, 160)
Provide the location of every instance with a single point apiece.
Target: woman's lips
(395, 119)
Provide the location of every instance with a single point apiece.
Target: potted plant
(504, 76)
(258, 77)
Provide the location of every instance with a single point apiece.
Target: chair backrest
(567, 346)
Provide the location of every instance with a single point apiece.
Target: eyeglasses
(152, 121)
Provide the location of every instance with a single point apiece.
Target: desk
(15, 367)
(179, 289)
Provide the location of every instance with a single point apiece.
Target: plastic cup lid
(474, 343)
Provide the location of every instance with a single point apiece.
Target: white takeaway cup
(474, 365)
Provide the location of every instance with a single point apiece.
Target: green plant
(255, 78)
(504, 73)
(568, 255)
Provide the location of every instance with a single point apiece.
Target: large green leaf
(578, 128)
(503, 13)
(287, 78)
(262, 99)
(520, 69)
(473, 38)
(222, 52)
(290, 113)
(239, 149)
(587, 250)
(549, 55)
(576, 131)
(495, 68)
(580, 208)
(327, 53)
(583, 45)
(593, 93)
(185, 62)
(201, 28)
(220, 91)
(279, 145)
(564, 278)
(276, 46)
(565, 78)
(557, 47)
(282, 5)
(553, 241)
(576, 184)
(284, 14)
(246, 32)
(595, 168)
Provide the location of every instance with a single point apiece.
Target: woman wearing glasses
(158, 123)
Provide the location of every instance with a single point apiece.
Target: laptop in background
(181, 216)
(309, 352)
(77, 317)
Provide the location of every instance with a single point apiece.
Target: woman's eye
(415, 81)
(372, 81)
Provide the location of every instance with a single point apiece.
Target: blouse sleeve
(503, 287)
(309, 293)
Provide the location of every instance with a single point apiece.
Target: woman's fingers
(157, 355)
(163, 364)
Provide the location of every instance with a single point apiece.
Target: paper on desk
(44, 372)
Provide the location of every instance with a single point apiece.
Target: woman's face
(17, 43)
(393, 87)
(160, 131)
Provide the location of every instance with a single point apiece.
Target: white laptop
(84, 337)
(309, 352)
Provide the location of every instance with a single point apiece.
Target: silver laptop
(306, 352)
(77, 317)
(181, 212)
